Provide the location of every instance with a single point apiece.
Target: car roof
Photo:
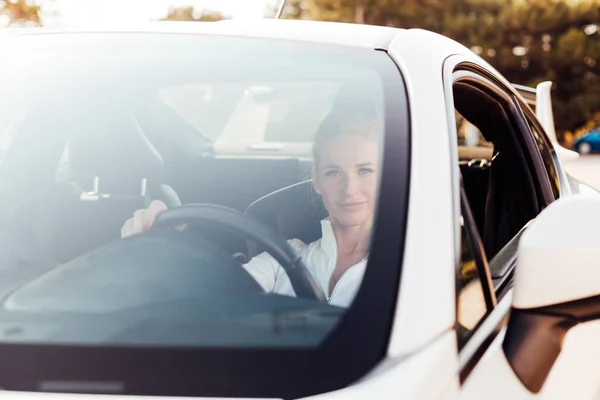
(356, 35)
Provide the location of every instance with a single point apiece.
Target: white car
(103, 120)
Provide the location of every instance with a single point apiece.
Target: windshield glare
(94, 127)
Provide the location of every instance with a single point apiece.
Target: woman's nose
(351, 185)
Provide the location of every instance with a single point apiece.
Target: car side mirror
(557, 285)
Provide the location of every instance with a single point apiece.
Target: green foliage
(528, 41)
(189, 14)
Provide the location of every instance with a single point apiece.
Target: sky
(77, 12)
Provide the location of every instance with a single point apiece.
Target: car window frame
(528, 102)
(559, 185)
(481, 264)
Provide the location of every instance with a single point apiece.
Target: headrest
(115, 150)
(295, 211)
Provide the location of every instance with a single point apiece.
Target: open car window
(472, 145)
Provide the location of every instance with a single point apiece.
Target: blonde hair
(362, 123)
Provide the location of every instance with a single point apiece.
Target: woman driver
(346, 158)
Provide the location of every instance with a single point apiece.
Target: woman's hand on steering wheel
(301, 278)
(143, 219)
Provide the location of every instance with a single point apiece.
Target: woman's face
(346, 178)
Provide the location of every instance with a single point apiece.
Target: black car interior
(116, 165)
(294, 211)
(69, 211)
(501, 189)
(105, 183)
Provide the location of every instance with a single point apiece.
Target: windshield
(192, 193)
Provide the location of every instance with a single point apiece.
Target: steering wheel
(164, 193)
(302, 280)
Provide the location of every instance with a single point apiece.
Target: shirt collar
(327, 236)
(328, 242)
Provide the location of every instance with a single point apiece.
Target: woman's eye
(363, 171)
(332, 173)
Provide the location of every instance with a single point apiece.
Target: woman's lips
(352, 206)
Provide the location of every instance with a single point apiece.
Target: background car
(588, 143)
(119, 117)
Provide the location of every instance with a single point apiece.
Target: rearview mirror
(557, 285)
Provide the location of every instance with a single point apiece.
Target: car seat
(295, 212)
(111, 168)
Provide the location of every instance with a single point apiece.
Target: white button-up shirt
(320, 258)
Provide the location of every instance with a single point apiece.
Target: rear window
(278, 112)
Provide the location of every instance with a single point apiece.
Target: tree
(528, 41)
(189, 14)
(539, 40)
(21, 12)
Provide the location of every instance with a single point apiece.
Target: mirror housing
(557, 285)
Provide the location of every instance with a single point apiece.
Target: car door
(505, 182)
(533, 180)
